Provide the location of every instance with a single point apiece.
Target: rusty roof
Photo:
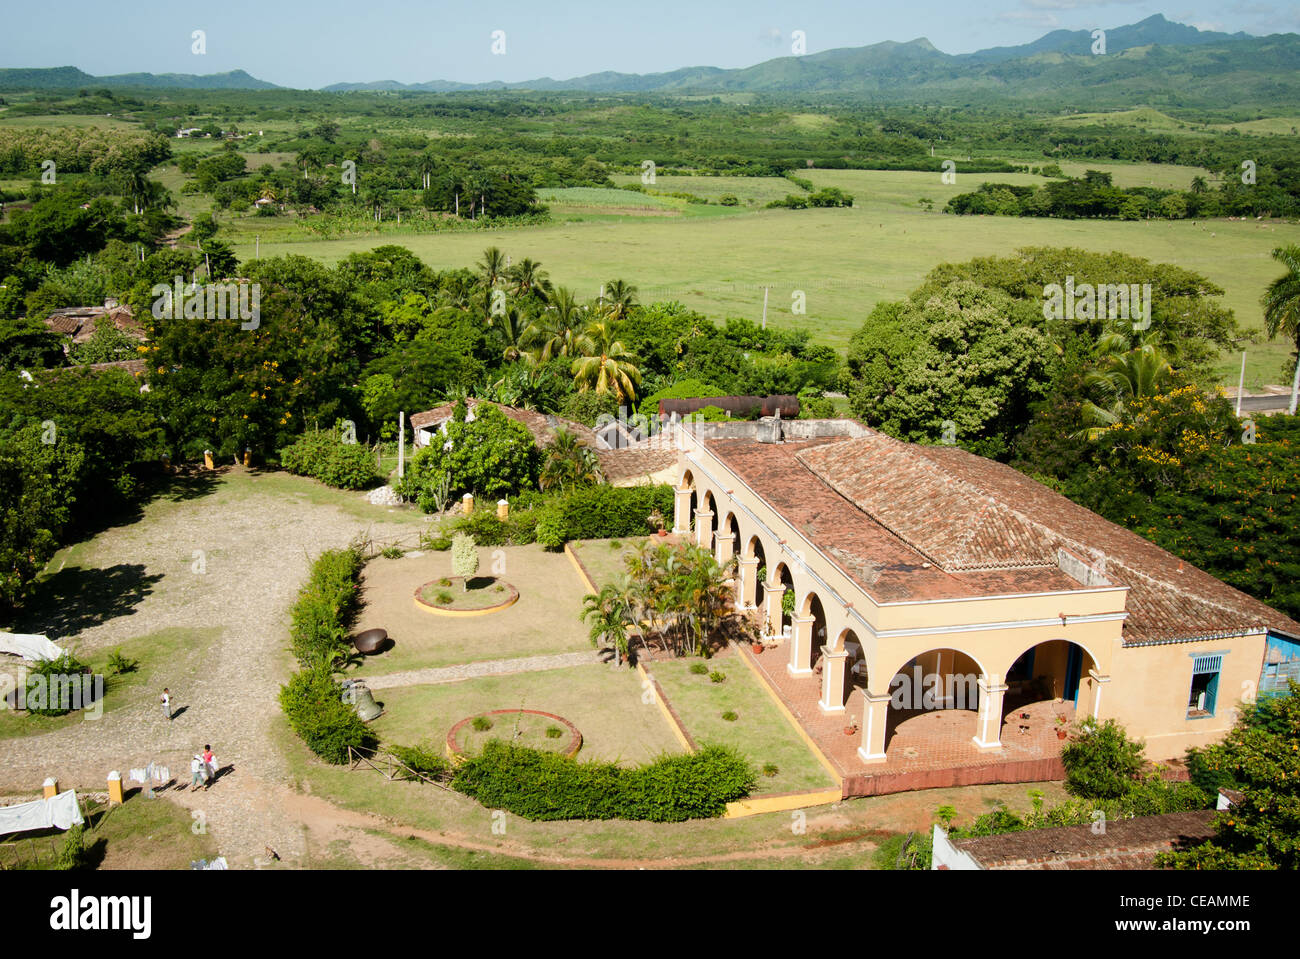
(917, 523)
(542, 426)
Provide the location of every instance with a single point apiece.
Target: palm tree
(609, 616)
(529, 279)
(490, 270)
(569, 463)
(1124, 377)
(1198, 184)
(605, 363)
(619, 298)
(1282, 307)
(555, 330)
(510, 333)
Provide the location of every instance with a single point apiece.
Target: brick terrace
(923, 750)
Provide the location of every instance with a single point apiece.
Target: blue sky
(303, 44)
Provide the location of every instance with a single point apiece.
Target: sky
(312, 44)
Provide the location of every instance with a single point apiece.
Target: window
(1205, 686)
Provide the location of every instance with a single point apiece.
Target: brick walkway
(922, 749)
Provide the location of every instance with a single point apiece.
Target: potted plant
(757, 647)
(656, 520)
(1060, 727)
(850, 729)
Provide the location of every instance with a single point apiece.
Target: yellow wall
(1150, 685)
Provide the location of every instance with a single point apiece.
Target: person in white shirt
(198, 772)
(167, 702)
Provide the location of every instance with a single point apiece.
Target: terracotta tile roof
(634, 462)
(884, 509)
(79, 322)
(1126, 843)
(541, 425)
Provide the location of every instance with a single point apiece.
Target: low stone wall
(1026, 771)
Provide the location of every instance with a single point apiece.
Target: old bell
(362, 700)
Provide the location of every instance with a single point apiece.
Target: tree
(556, 329)
(1101, 762)
(604, 364)
(609, 614)
(464, 557)
(620, 298)
(1282, 305)
(568, 463)
(490, 455)
(963, 356)
(1260, 759)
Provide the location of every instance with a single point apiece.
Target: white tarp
(61, 811)
(29, 646)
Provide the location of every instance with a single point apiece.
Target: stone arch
(855, 664)
(1052, 669)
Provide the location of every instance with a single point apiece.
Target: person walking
(198, 772)
(167, 702)
(210, 765)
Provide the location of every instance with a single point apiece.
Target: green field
(845, 260)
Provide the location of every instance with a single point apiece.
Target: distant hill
(1154, 61)
(68, 78)
(1157, 62)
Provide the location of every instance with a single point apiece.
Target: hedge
(600, 512)
(543, 785)
(313, 703)
(323, 456)
(326, 606)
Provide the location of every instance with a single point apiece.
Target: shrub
(717, 677)
(483, 527)
(600, 512)
(420, 759)
(119, 664)
(730, 716)
(72, 852)
(482, 723)
(464, 557)
(554, 732)
(1101, 762)
(392, 552)
(324, 456)
(541, 785)
(52, 685)
(490, 456)
(313, 704)
(770, 769)
(443, 598)
(699, 669)
(326, 606)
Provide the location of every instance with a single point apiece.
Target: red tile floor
(922, 749)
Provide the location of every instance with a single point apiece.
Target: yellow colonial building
(882, 569)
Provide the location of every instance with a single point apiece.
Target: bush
(599, 512)
(324, 456)
(730, 716)
(542, 785)
(1101, 762)
(313, 703)
(699, 669)
(46, 695)
(482, 723)
(72, 852)
(119, 664)
(717, 677)
(490, 456)
(420, 759)
(326, 606)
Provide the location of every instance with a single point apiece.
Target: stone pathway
(256, 551)
(491, 667)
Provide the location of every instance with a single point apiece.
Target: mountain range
(1154, 61)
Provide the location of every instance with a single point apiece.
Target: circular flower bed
(522, 727)
(449, 597)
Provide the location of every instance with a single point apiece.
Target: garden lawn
(604, 703)
(544, 620)
(141, 834)
(170, 657)
(759, 732)
(603, 558)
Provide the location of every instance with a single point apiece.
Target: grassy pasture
(845, 260)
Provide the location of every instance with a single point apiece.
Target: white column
(988, 731)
